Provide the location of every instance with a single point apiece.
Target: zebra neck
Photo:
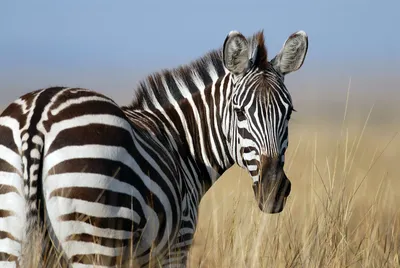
(196, 122)
(193, 127)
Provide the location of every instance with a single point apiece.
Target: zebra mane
(156, 90)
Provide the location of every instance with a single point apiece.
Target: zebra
(112, 182)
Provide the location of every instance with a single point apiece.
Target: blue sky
(111, 44)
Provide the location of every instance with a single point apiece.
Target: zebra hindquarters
(90, 215)
(12, 200)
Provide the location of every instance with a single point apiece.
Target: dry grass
(344, 209)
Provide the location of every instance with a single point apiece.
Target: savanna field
(344, 208)
(343, 156)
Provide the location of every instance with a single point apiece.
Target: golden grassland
(343, 211)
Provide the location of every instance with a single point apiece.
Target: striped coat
(110, 182)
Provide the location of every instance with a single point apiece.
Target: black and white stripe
(121, 180)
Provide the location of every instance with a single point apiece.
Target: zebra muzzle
(272, 194)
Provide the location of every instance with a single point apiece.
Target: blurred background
(343, 155)
(109, 46)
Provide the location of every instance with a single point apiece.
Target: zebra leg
(12, 200)
(178, 252)
(177, 256)
(12, 218)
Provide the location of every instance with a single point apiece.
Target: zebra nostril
(288, 187)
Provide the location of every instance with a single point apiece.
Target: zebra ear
(292, 54)
(236, 53)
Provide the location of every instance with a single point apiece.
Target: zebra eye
(251, 62)
(240, 114)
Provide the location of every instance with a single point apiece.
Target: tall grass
(333, 222)
(344, 209)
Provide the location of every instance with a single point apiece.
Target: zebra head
(259, 110)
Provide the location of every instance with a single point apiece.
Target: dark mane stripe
(159, 85)
(152, 92)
